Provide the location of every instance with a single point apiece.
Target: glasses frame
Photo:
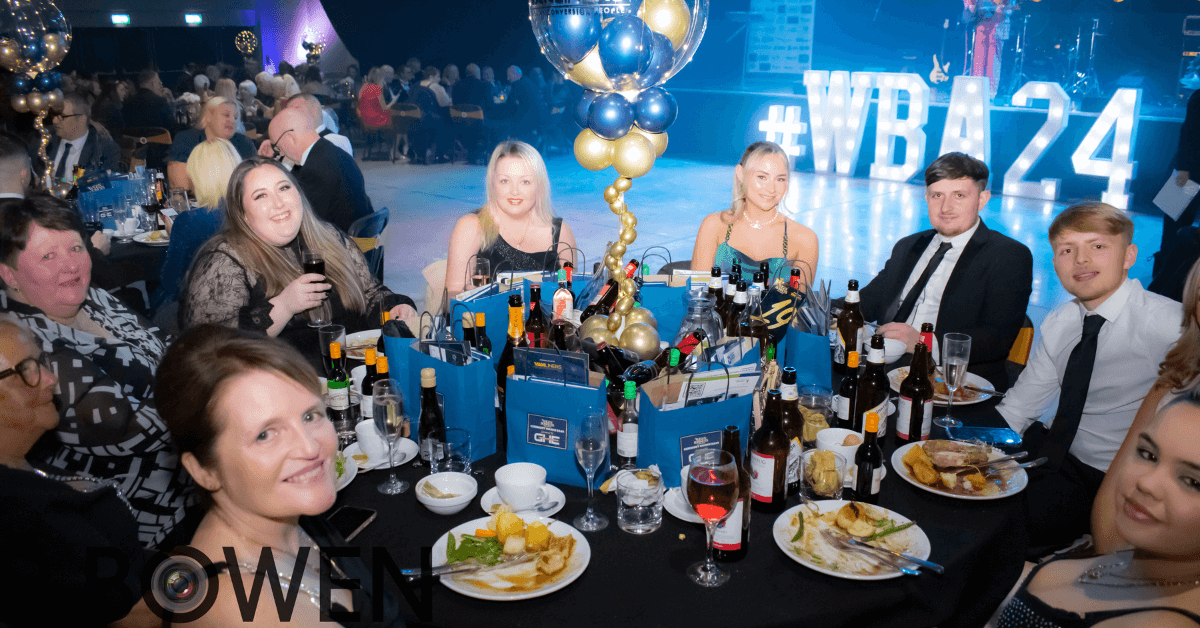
(41, 361)
(275, 154)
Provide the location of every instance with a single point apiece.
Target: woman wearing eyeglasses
(104, 355)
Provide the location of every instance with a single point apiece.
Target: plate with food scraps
(358, 343)
(153, 238)
(941, 394)
(490, 502)
(346, 471)
(873, 524)
(931, 471)
(564, 554)
(405, 450)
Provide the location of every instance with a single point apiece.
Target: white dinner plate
(896, 376)
(462, 583)
(144, 238)
(491, 499)
(913, 537)
(677, 504)
(1016, 484)
(349, 472)
(360, 352)
(406, 450)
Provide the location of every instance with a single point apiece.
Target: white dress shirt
(443, 98)
(71, 157)
(1139, 327)
(341, 141)
(930, 302)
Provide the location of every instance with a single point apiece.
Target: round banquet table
(639, 580)
(131, 262)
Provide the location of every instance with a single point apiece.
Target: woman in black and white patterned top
(104, 355)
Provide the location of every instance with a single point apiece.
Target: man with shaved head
(312, 108)
(328, 176)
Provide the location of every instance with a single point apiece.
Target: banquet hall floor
(856, 220)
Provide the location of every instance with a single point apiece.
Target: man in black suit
(471, 90)
(960, 275)
(77, 142)
(329, 177)
(523, 110)
(148, 107)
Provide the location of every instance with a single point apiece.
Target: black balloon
(47, 81)
(19, 84)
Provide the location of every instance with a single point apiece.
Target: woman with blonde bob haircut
(250, 275)
(516, 229)
(753, 230)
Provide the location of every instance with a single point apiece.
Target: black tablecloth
(127, 263)
(640, 581)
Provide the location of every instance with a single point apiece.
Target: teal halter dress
(727, 255)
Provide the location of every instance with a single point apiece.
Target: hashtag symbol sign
(783, 126)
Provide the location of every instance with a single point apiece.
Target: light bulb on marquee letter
(783, 126)
(1057, 115)
(888, 127)
(1120, 116)
(968, 120)
(838, 116)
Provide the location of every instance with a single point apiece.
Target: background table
(639, 580)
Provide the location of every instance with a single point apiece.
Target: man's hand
(102, 242)
(1181, 178)
(904, 333)
(266, 150)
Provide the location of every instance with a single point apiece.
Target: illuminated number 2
(1056, 120)
(1120, 117)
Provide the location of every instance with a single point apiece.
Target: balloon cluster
(34, 39)
(246, 42)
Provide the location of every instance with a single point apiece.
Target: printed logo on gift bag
(694, 442)
(548, 431)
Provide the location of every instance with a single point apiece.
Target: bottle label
(904, 419)
(339, 398)
(852, 296)
(841, 351)
(728, 535)
(367, 406)
(788, 392)
(716, 283)
(881, 410)
(627, 441)
(876, 478)
(875, 356)
(793, 461)
(563, 303)
(762, 476)
(841, 408)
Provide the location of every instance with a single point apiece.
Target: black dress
(506, 258)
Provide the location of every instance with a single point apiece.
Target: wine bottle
(535, 325)
(569, 269)
(367, 408)
(927, 340)
(873, 388)
(868, 463)
(769, 449)
(730, 539)
(627, 434)
(468, 324)
(850, 327)
(847, 398)
(432, 423)
(716, 288)
(383, 319)
(564, 299)
(608, 294)
(504, 367)
(726, 303)
(740, 300)
(792, 424)
(367, 404)
(481, 337)
(684, 349)
(795, 279)
(339, 383)
(915, 412)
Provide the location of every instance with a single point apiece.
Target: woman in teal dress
(753, 230)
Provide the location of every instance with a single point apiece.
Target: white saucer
(492, 499)
(676, 503)
(406, 450)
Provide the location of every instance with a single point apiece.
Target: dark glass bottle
(535, 325)
(485, 345)
(432, 423)
(873, 388)
(731, 538)
(769, 448)
(850, 327)
(504, 367)
(740, 299)
(608, 294)
(367, 404)
(847, 397)
(868, 463)
(915, 408)
(792, 423)
(716, 288)
(468, 323)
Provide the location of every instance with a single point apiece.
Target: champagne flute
(591, 446)
(712, 490)
(388, 414)
(956, 353)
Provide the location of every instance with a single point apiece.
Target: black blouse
(504, 257)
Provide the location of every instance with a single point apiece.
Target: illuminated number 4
(1120, 117)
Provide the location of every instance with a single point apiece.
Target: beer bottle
(535, 325)
(847, 398)
(730, 539)
(468, 322)
(740, 299)
(868, 463)
(769, 449)
(873, 388)
(627, 434)
(432, 424)
(716, 288)
(927, 340)
(481, 337)
(504, 368)
(726, 303)
(915, 412)
(850, 326)
(792, 423)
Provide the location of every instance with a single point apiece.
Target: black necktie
(61, 171)
(1076, 380)
(910, 301)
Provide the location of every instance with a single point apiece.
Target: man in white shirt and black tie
(1099, 355)
(78, 142)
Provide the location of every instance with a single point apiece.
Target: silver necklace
(1093, 576)
(96, 484)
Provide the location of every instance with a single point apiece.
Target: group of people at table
(113, 435)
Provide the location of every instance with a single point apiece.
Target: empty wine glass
(591, 446)
(956, 353)
(712, 490)
(388, 414)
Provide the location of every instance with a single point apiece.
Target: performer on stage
(991, 29)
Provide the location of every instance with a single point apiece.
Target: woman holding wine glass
(712, 490)
(591, 447)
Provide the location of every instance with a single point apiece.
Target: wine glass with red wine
(712, 490)
(313, 262)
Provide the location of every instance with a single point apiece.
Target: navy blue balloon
(656, 110)
(582, 108)
(625, 47)
(574, 35)
(47, 81)
(662, 58)
(32, 50)
(610, 116)
(19, 84)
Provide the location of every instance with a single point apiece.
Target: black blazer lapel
(920, 243)
(961, 269)
(88, 153)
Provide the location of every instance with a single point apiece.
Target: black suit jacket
(334, 185)
(1187, 157)
(985, 296)
(472, 91)
(147, 109)
(98, 154)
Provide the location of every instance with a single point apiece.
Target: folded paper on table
(1173, 199)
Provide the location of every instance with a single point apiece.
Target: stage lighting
(1057, 115)
(120, 19)
(1120, 116)
(193, 19)
(832, 97)
(885, 166)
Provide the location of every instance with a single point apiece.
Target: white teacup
(370, 441)
(831, 439)
(130, 226)
(522, 485)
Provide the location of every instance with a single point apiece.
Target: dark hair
(286, 68)
(431, 72)
(957, 166)
(1190, 398)
(79, 104)
(12, 146)
(17, 214)
(145, 76)
(312, 74)
(195, 370)
(1092, 217)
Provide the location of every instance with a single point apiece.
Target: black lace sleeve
(221, 290)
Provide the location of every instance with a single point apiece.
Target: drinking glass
(313, 262)
(388, 414)
(956, 352)
(591, 446)
(326, 335)
(818, 400)
(482, 273)
(819, 478)
(712, 490)
(456, 452)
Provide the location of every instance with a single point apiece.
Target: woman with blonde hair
(516, 229)
(228, 90)
(753, 230)
(217, 120)
(250, 275)
(1177, 375)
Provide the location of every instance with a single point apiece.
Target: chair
(405, 117)
(468, 124)
(373, 134)
(670, 268)
(137, 140)
(370, 233)
(1018, 356)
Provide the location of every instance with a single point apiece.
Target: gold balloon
(641, 339)
(643, 316)
(605, 336)
(624, 305)
(618, 207)
(611, 195)
(37, 102)
(614, 322)
(659, 140)
(20, 104)
(10, 55)
(633, 155)
(593, 323)
(54, 100)
(592, 151)
(617, 249)
(628, 236)
(60, 190)
(622, 184)
(668, 17)
(589, 73)
(628, 220)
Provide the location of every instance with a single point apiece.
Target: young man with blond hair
(1099, 355)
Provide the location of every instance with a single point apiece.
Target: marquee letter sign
(838, 116)
(888, 127)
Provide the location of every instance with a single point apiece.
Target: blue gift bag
(809, 355)
(540, 417)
